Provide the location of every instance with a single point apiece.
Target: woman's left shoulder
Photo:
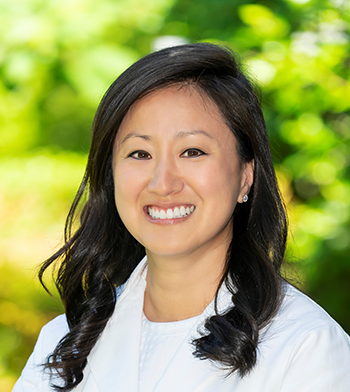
(303, 313)
(301, 324)
(302, 349)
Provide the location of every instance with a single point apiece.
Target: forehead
(174, 109)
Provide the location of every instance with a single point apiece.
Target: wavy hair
(100, 254)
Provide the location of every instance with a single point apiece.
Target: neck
(181, 288)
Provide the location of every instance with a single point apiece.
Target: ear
(247, 180)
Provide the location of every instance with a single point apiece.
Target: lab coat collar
(114, 361)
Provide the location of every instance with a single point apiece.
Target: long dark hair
(100, 254)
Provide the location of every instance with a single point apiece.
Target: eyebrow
(183, 134)
(178, 135)
(135, 134)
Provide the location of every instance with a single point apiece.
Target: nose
(165, 178)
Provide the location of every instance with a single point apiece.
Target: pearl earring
(245, 198)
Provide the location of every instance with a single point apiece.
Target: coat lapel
(113, 364)
(114, 361)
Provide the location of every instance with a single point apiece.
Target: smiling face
(177, 174)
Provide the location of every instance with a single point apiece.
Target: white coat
(303, 350)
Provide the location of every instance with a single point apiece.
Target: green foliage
(58, 57)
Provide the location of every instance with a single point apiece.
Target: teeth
(169, 213)
(177, 212)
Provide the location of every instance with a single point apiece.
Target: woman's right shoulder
(59, 323)
(54, 331)
(33, 378)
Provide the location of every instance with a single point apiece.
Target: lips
(170, 213)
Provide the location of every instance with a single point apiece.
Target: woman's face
(177, 174)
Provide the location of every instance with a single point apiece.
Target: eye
(193, 153)
(140, 155)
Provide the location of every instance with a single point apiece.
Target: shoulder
(303, 348)
(301, 325)
(299, 316)
(49, 336)
(302, 313)
(315, 346)
(53, 332)
(307, 334)
(57, 325)
(33, 378)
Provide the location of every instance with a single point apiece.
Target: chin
(168, 252)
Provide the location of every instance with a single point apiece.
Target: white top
(303, 350)
(159, 344)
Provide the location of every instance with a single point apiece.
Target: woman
(180, 170)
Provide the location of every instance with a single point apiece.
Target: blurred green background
(57, 57)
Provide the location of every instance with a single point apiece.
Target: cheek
(220, 183)
(125, 187)
(125, 194)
